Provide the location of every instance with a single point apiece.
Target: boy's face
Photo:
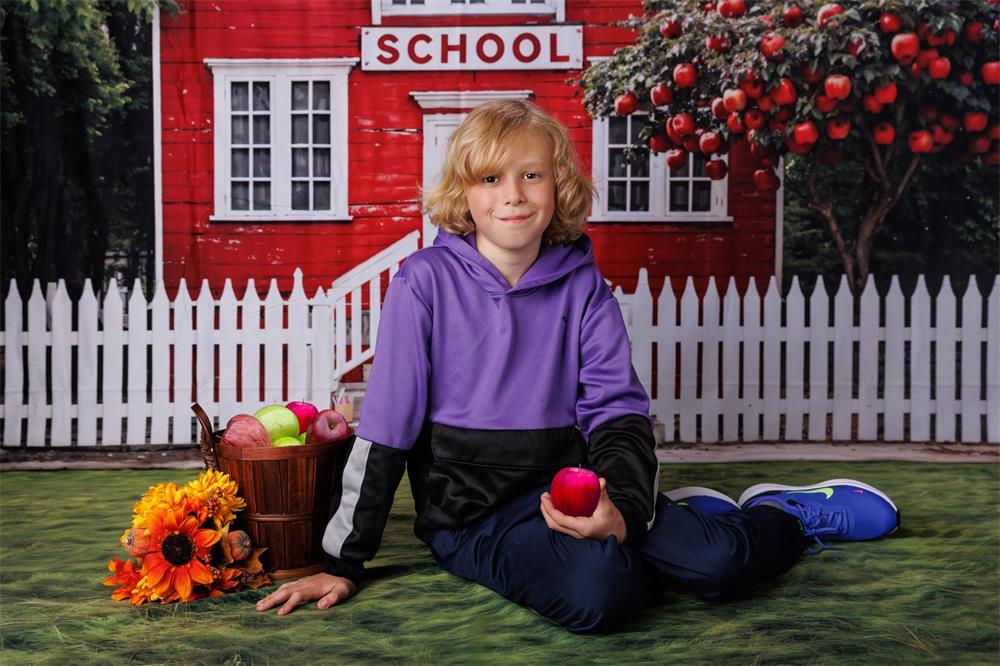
(513, 206)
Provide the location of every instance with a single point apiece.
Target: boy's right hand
(329, 589)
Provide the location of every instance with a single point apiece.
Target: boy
(502, 357)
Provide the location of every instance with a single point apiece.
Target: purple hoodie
(484, 391)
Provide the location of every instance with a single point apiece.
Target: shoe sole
(680, 494)
(761, 488)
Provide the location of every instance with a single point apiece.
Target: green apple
(287, 441)
(302, 438)
(278, 421)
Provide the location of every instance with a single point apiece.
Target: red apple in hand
(328, 426)
(576, 491)
(305, 411)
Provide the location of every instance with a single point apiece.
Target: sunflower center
(177, 549)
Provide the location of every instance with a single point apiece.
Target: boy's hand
(607, 520)
(329, 589)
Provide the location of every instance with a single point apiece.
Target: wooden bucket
(287, 491)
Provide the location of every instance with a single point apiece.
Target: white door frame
(438, 127)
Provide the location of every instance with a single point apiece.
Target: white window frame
(554, 8)
(659, 183)
(280, 73)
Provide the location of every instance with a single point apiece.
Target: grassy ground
(928, 594)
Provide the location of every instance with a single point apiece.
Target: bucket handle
(207, 440)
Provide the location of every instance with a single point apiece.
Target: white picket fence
(727, 368)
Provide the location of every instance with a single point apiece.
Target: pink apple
(305, 411)
(328, 426)
(245, 431)
(576, 491)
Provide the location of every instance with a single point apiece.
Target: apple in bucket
(244, 431)
(278, 421)
(576, 491)
(305, 411)
(328, 426)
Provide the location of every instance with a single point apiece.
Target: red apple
(972, 31)
(328, 426)
(719, 109)
(670, 28)
(825, 104)
(305, 412)
(994, 132)
(683, 124)
(792, 16)
(245, 431)
(966, 78)
(941, 135)
(716, 169)
(626, 104)
(806, 133)
(717, 43)
(974, 121)
(905, 47)
(576, 491)
(939, 68)
(659, 143)
(889, 22)
(732, 8)
(796, 147)
(838, 128)
(661, 95)
(770, 45)
(709, 142)
(812, 76)
(827, 12)
(920, 141)
(886, 94)
(837, 86)
(685, 75)
(754, 119)
(677, 158)
(950, 121)
(884, 134)
(784, 93)
(926, 57)
(854, 46)
(734, 99)
(691, 141)
(735, 123)
(871, 104)
(751, 85)
(765, 180)
(765, 103)
(991, 73)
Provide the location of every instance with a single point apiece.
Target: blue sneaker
(837, 509)
(704, 500)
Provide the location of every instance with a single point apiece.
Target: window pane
(300, 129)
(640, 168)
(699, 166)
(616, 196)
(616, 130)
(261, 96)
(300, 195)
(300, 95)
(239, 97)
(702, 195)
(640, 196)
(321, 128)
(321, 162)
(321, 96)
(678, 195)
(261, 162)
(636, 128)
(241, 129)
(300, 162)
(262, 196)
(616, 165)
(321, 196)
(240, 165)
(261, 129)
(241, 196)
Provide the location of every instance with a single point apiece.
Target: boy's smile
(513, 206)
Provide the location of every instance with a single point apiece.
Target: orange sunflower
(179, 552)
(125, 574)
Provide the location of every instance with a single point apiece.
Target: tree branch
(825, 209)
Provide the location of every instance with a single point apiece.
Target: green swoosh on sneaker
(828, 492)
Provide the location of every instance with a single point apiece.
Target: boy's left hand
(607, 520)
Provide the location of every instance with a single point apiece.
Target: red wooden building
(298, 133)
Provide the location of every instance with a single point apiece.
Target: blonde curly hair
(483, 142)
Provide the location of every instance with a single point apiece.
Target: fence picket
(111, 379)
(135, 403)
(322, 351)
(944, 386)
(711, 406)
(753, 337)
(868, 344)
(228, 337)
(773, 336)
(795, 368)
(843, 364)
(920, 363)
(972, 337)
(298, 350)
(732, 335)
(13, 390)
(688, 359)
(894, 334)
(62, 367)
(819, 335)
(183, 379)
(204, 340)
(86, 367)
(274, 340)
(160, 339)
(666, 361)
(993, 363)
(641, 337)
(250, 394)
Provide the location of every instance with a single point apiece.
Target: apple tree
(894, 86)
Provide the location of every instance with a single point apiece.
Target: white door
(438, 128)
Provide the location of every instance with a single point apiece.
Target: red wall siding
(385, 153)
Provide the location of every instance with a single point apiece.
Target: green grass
(927, 594)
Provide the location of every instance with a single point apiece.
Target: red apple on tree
(661, 95)
(827, 12)
(626, 104)
(659, 143)
(685, 75)
(871, 104)
(837, 86)
(905, 47)
(732, 8)
(754, 119)
(717, 43)
(576, 491)
(979, 144)
(770, 45)
(939, 68)
(765, 179)
(884, 134)
(751, 85)
(719, 111)
(735, 123)
(890, 22)
(670, 28)
(734, 99)
(886, 94)
(784, 93)
(920, 141)
(838, 128)
(716, 169)
(974, 121)
(709, 142)
(825, 104)
(806, 133)
(328, 426)
(683, 124)
(973, 31)
(677, 158)
(792, 16)
(991, 72)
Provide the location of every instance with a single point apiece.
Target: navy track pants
(586, 584)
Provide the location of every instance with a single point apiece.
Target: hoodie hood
(553, 262)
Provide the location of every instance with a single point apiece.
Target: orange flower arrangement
(181, 547)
